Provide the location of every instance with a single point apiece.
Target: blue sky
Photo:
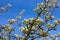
(17, 6)
(28, 5)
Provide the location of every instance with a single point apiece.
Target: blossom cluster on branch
(33, 27)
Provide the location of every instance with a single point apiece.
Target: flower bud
(48, 25)
(26, 21)
(9, 5)
(11, 21)
(4, 9)
(41, 5)
(37, 10)
(44, 34)
(58, 34)
(22, 29)
(56, 22)
(53, 27)
(39, 20)
(31, 20)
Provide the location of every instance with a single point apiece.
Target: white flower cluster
(6, 7)
(57, 21)
(11, 21)
(25, 30)
(8, 28)
(39, 8)
(28, 21)
(51, 26)
(37, 22)
(48, 17)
